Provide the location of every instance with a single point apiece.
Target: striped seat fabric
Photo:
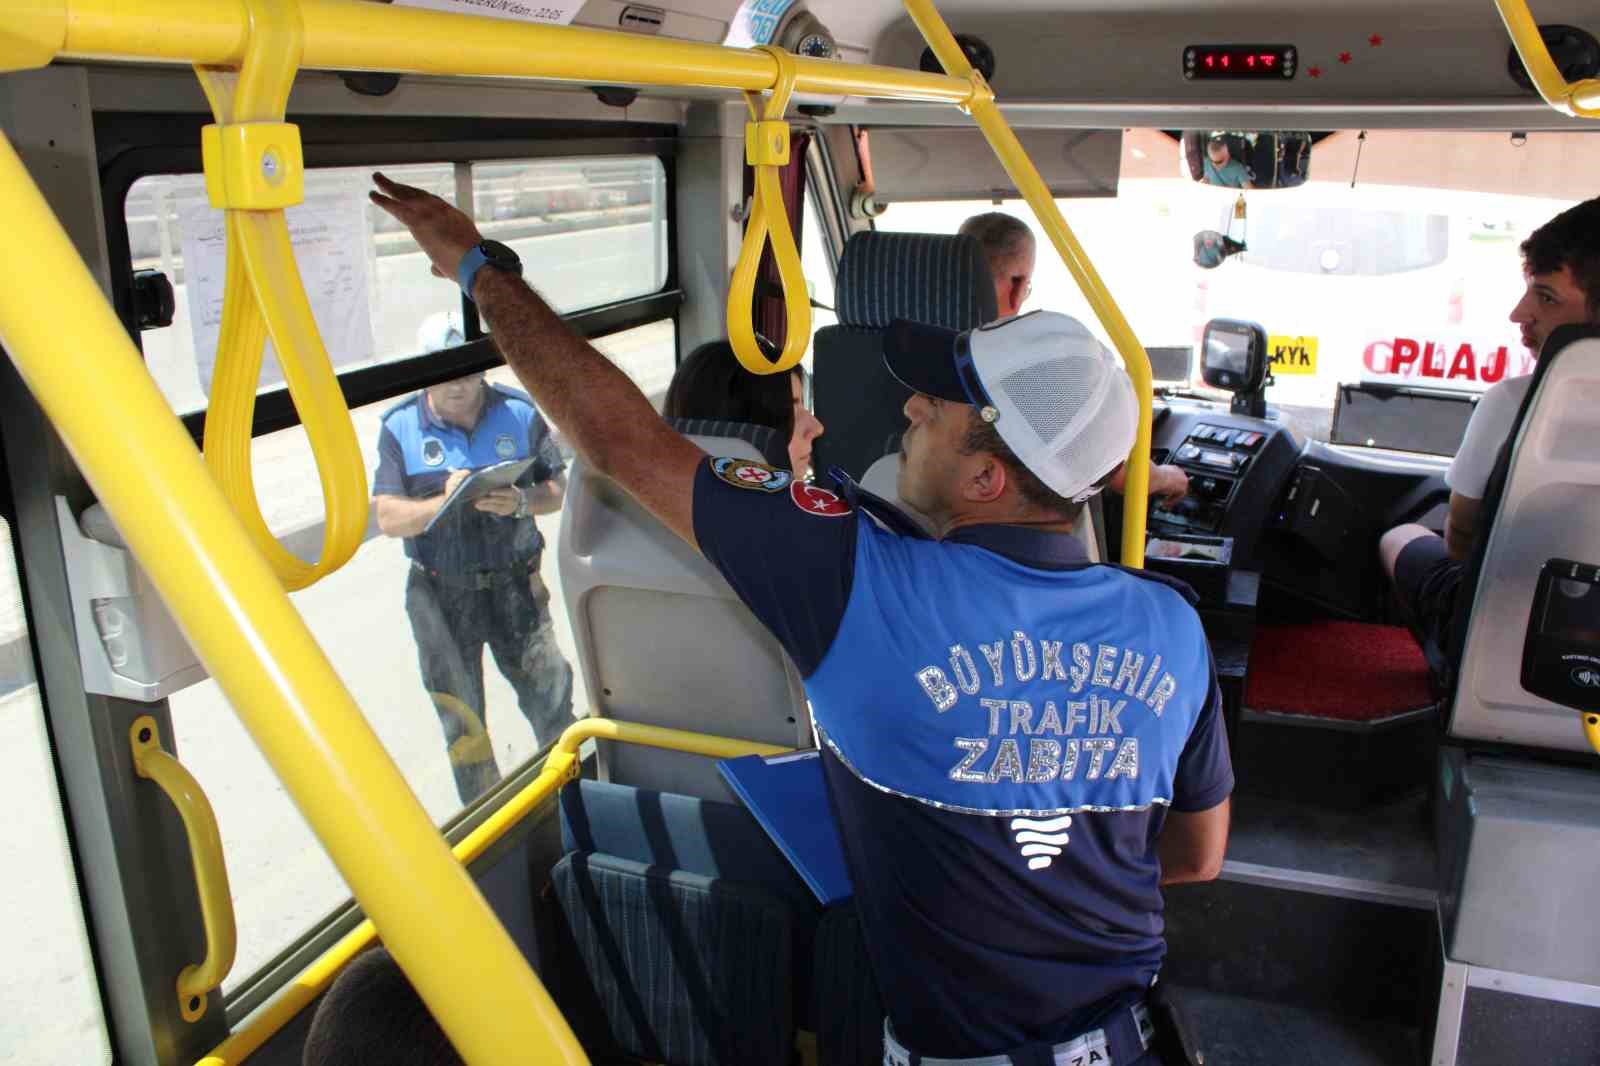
(938, 280)
(773, 448)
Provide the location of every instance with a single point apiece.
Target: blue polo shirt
(1003, 726)
(417, 452)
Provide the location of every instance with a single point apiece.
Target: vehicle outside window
(1405, 279)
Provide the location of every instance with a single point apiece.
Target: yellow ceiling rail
(1580, 99)
(561, 766)
(254, 169)
(195, 981)
(236, 615)
(1015, 159)
(766, 148)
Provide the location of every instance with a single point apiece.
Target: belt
(477, 579)
(1119, 1041)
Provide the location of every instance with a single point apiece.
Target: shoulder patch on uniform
(814, 499)
(750, 474)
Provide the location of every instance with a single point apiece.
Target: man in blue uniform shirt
(475, 575)
(1020, 747)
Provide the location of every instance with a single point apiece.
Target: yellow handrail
(560, 767)
(1591, 730)
(253, 170)
(195, 981)
(1579, 99)
(236, 615)
(1014, 158)
(766, 148)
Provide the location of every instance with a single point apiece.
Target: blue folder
(788, 797)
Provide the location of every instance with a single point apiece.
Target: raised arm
(607, 418)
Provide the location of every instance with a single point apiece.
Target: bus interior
(1409, 870)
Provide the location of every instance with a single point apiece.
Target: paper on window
(329, 235)
(553, 12)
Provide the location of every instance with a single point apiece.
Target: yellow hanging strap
(766, 148)
(1580, 99)
(254, 170)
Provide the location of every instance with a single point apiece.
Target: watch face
(501, 256)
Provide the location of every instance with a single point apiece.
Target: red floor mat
(1344, 670)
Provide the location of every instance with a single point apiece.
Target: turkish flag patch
(818, 501)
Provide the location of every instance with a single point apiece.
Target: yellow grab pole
(1020, 168)
(1580, 99)
(359, 35)
(560, 767)
(238, 618)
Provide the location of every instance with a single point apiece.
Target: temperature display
(1249, 61)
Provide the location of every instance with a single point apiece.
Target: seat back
(662, 639)
(1542, 502)
(938, 280)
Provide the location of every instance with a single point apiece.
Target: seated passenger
(710, 383)
(373, 1017)
(1561, 263)
(1223, 169)
(1010, 248)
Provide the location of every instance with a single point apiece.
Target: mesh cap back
(1065, 407)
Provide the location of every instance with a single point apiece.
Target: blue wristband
(467, 272)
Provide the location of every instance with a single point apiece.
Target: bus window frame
(139, 145)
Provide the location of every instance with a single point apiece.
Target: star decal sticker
(1345, 57)
(1375, 40)
(1315, 72)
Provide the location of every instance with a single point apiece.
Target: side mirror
(1247, 159)
(1211, 248)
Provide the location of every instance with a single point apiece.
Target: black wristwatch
(486, 253)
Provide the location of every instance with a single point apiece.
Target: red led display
(1230, 61)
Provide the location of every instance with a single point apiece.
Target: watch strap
(474, 261)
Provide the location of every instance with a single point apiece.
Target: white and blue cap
(1055, 394)
(441, 330)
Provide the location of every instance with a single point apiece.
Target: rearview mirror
(1211, 248)
(1247, 159)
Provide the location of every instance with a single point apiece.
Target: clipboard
(482, 480)
(788, 796)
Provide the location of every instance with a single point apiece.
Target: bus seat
(939, 280)
(661, 638)
(1543, 503)
(773, 449)
(695, 932)
(689, 970)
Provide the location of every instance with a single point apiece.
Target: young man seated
(1561, 262)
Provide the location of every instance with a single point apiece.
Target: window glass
(1393, 281)
(817, 262)
(53, 1011)
(367, 280)
(412, 639)
(589, 231)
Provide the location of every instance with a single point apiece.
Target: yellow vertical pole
(1023, 174)
(234, 612)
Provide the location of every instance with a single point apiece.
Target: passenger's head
(711, 383)
(373, 1017)
(1217, 149)
(1561, 262)
(1009, 247)
(1054, 417)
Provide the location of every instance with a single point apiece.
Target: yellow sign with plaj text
(1291, 355)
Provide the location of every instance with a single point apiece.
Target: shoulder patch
(815, 500)
(750, 474)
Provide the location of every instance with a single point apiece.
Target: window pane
(369, 284)
(53, 1011)
(589, 231)
(422, 653)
